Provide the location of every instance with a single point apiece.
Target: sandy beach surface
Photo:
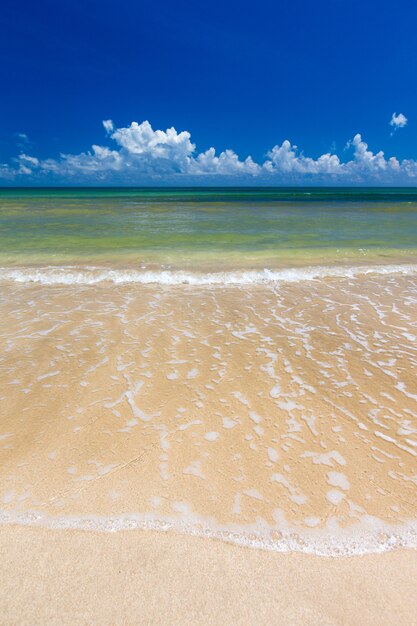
(224, 406)
(280, 418)
(134, 577)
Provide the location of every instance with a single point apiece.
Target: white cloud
(366, 161)
(142, 140)
(108, 126)
(100, 160)
(25, 158)
(398, 121)
(284, 159)
(226, 164)
(140, 151)
(27, 163)
(142, 155)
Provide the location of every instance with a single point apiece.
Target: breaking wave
(70, 275)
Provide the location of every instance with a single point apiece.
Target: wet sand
(293, 405)
(277, 416)
(70, 577)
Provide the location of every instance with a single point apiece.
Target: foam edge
(370, 536)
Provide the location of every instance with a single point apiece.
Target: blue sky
(247, 79)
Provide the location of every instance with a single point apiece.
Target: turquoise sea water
(206, 227)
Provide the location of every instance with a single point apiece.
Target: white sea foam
(368, 536)
(70, 275)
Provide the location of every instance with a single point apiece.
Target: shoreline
(366, 537)
(94, 275)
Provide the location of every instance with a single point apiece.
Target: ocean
(206, 228)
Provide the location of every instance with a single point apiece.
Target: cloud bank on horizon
(142, 155)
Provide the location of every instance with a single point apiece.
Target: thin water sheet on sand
(279, 416)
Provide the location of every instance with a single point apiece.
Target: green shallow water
(213, 227)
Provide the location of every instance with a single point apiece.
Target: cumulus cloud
(142, 139)
(398, 121)
(226, 164)
(285, 159)
(366, 161)
(365, 165)
(142, 155)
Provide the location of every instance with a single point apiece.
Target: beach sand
(294, 404)
(266, 414)
(134, 577)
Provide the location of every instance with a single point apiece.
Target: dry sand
(74, 577)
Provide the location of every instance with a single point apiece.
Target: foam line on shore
(369, 536)
(70, 275)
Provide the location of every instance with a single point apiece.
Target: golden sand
(254, 415)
